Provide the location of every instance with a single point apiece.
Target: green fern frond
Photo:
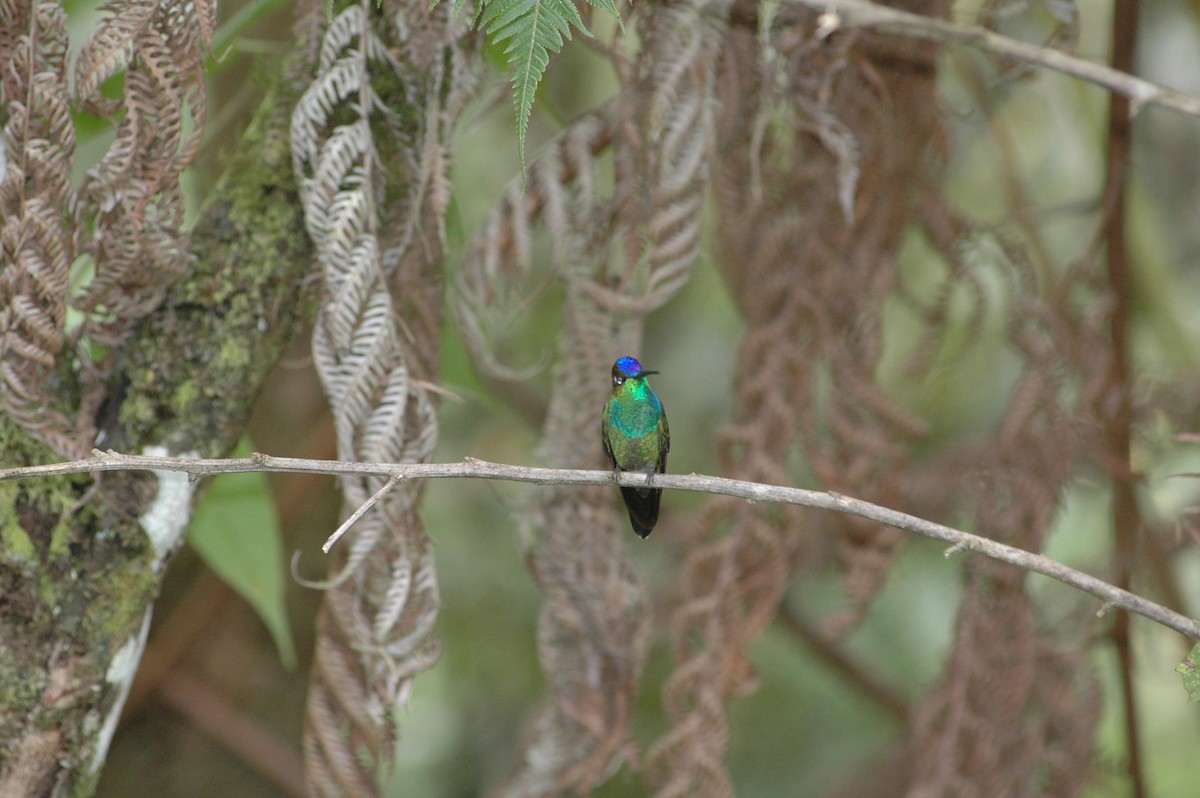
(530, 30)
(611, 7)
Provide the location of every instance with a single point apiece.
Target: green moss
(16, 548)
(138, 411)
(118, 613)
(79, 589)
(195, 367)
(232, 355)
(19, 686)
(60, 538)
(186, 396)
(88, 781)
(35, 514)
(47, 589)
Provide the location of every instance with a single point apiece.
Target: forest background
(922, 275)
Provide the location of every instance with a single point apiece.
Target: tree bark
(81, 562)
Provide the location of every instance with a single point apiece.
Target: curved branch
(471, 468)
(837, 14)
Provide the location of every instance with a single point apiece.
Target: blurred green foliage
(236, 532)
(805, 730)
(1189, 669)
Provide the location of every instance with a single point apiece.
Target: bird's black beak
(648, 373)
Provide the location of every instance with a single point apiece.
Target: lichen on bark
(78, 572)
(196, 365)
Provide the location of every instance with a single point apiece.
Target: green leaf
(236, 532)
(611, 7)
(530, 31)
(1189, 669)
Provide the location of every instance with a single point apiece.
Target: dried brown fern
(498, 279)
(1016, 708)
(618, 258)
(592, 632)
(813, 145)
(75, 658)
(37, 219)
(133, 195)
(375, 345)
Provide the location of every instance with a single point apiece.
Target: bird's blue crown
(629, 366)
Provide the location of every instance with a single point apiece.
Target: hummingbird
(636, 437)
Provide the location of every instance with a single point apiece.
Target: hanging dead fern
(618, 258)
(497, 280)
(1017, 706)
(37, 217)
(375, 345)
(592, 632)
(813, 144)
(133, 195)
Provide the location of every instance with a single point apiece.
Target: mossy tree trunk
(80, 560)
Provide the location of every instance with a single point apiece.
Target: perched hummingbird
(636, 438)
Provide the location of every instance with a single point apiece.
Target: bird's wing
(664, 443)
(604, 437)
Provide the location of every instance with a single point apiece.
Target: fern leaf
(530, 30)
(611, 7)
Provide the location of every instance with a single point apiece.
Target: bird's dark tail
(642, 504)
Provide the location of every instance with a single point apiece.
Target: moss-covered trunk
(81, 561)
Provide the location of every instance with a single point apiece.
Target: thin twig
(838, 14)
(392, 482)
(699, 483)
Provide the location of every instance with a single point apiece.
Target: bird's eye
(618, 380)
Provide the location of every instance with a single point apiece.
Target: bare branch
(838, 14)
(750, 491)
(362, 509)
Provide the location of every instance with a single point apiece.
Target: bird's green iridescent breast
(634, 410)
(633, 420)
